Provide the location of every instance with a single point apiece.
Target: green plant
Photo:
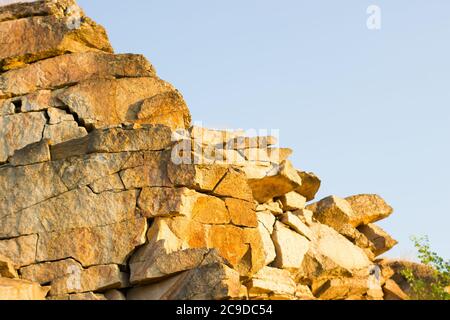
(435, 287)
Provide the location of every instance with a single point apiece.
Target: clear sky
(368, 111)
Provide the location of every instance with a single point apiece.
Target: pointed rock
(269, 187)
(381, 240)
(297, 225)
(368, 208)
(310, 185)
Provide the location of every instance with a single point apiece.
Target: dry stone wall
(108, 193)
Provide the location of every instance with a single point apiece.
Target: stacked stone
(108, 192)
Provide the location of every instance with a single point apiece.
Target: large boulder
(41, 37)
(368, 208)
(331, 254)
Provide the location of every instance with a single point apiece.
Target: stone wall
(108, 192)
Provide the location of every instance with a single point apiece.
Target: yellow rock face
(14, 289)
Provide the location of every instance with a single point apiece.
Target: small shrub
(437, 288)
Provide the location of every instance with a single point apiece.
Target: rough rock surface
(107, 192)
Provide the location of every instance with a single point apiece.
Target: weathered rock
(64, 131)
(306, 216)
(290, 247)
(15, 289)
(297, 225)
(71, 210)
(242, 213)
(34, 153)
(47, 36)
(78, 172)
(210, 210)
(207, 136)
(123, 96)
(167, 109)
(56, 116)
(267, 219)
(293, 201)
(271, 281)
(154, 262)
(380, 239)
(266, 222)
(303, 292)
(358, 239)
(44, 273)
(267, 243)
(234, 185)
(150, 138)
(111, 244)
(23, 187)
(73, 68)
(198, 177)
(7, 269)
(333, 211)
(210, 282)
(368, 208)
(19, 10)
(7, 108)
(341, 288)
(241, 247)
(20, 251)
(275, 207)
(37, 101)
(160, 202)
(97, 278)
(152, 172)
(332, 254)
(310, 185)
(259, 170)
(109, 183)
(19, 130)
(393, 292)
(285, 181)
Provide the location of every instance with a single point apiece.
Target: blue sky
(368, 111)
